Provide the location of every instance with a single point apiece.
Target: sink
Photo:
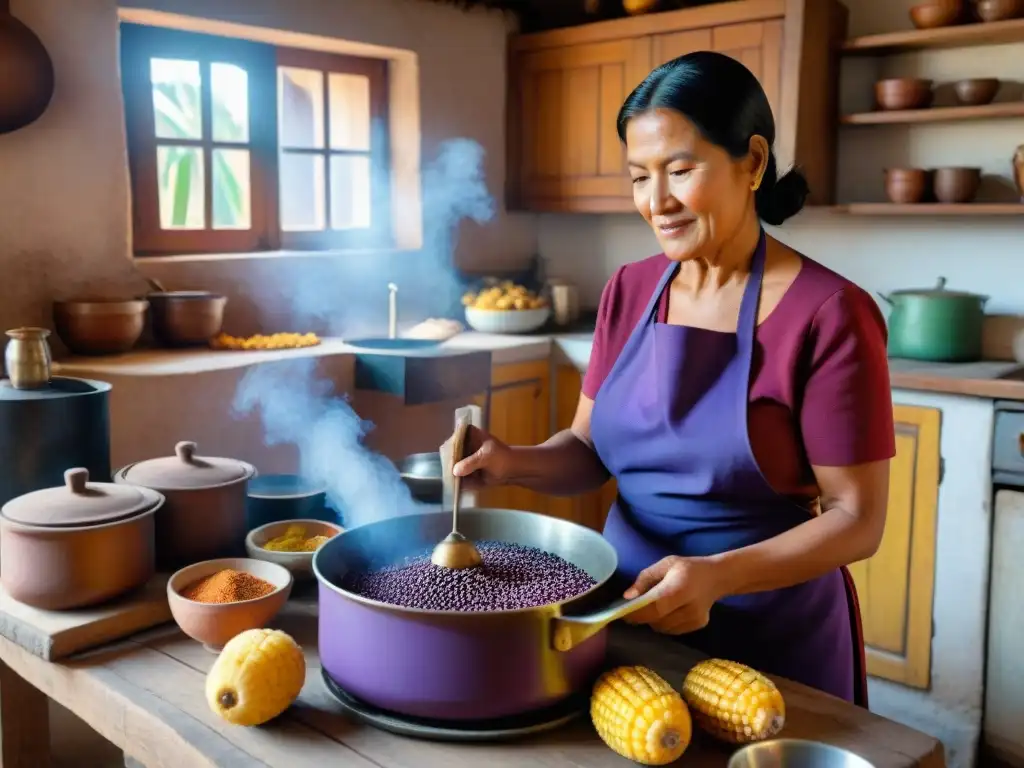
(393, 344)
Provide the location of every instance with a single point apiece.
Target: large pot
(452, 665)
(204, 517)
(935, 324)
(77, 545)
(65, 423)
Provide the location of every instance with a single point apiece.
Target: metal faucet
(392, 311)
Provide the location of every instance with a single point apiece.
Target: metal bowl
(796, 753)
(421, 472)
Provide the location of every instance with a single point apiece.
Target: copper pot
(186, 318)
(204, 515)
(77, 545)
(957, 185)
(101, 326)
(903, 93)
(907, 185)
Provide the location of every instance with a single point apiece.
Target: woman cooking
(737, 391)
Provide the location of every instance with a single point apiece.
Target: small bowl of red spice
(215, 600)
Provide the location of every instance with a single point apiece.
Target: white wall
(984, 254)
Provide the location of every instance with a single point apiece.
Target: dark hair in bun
(728, 105)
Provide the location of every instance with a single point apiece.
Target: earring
(756, 185)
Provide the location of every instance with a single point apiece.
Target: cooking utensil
(935, 324)
(204, 515)
(299, 563)
(27, 358)
(421, 472)
(100, 327)
(213, 624)
(76, 545)
(903, 93)
(26, 73)
(795, 753)
(186, 318)
(957, 185)
(456, 551)
(452, 665)
(65, 423)
(977, 91)
(907, 185)
(273, 498)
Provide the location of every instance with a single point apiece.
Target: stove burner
(498, 729)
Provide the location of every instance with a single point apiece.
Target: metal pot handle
(569, 631)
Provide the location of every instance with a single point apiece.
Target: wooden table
(146, 696)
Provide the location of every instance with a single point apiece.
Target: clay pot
(204, 515)
(977, 91)
(1018, 170)
(957, 185)
(907, 186)
(999, 10)
(26, 87)
(99, 327)
(637, 7)
(903, 93)
(186, 318)
(937, 13)
(77, 545)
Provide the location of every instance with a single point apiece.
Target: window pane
(180, 180)
(350, 111)
(302, 192)
(300, 95)
(229, 88)
(177, 107)
(231, 193)
(350, 192)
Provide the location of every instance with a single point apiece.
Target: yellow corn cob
(733, 702)
(640, 716)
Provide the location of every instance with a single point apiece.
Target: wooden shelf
(936, 114)
(961, 36)
(932, 209)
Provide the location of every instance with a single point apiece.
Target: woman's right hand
(486, 460)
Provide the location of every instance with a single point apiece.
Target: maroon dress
(684, 418)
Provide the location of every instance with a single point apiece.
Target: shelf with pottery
(567, 85)
(960, 36)
(950, 114)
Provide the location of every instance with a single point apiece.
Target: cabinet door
(564, 104)
(590, 509)
(519, 415)
(895, 586)
(757, 45)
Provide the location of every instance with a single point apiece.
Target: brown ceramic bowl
(975, 92)
(957, 185)
(903, 93)
(999, 10)
(906, 186)
(186, 318)
(936, 13)
(99, 326)
(213, 624)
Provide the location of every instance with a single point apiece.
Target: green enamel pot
(935, 324)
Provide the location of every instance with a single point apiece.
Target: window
(238, 146)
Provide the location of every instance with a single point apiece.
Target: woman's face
(692, 193)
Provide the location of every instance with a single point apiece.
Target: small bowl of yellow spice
(290, 543)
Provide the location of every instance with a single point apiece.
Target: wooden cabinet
(520, 414)
(896, 585)
(566, 87)
(590, 509)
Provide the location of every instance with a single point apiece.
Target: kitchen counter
(146, 696)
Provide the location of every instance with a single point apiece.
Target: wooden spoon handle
(458, 444)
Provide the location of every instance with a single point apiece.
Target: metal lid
(938, 291)
(186, 470)
(78, 502)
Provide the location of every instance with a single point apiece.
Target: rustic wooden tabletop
(146, 696)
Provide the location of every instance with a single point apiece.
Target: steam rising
(298, 408)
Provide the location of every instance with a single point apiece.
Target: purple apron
(670, 424)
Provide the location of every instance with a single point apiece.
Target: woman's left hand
(688, 587)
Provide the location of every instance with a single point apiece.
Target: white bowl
(506, 320)
(299, 563)
(213, 624)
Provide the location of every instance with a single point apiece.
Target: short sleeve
(846, 411)
(602, 352)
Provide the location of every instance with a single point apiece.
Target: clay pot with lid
(79, 544)
(204, 515)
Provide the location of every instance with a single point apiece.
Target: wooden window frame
(140, 43)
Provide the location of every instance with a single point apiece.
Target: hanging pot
(26, 73)
(935, 324)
